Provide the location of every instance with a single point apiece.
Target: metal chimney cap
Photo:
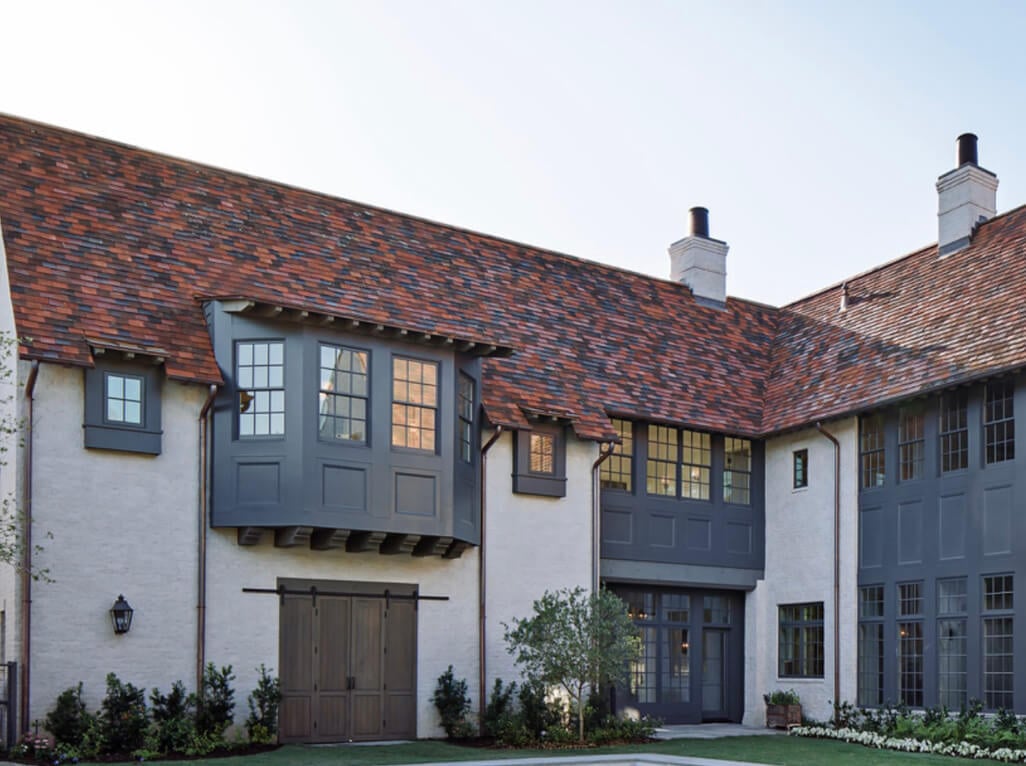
(699, 222)
(967, 152)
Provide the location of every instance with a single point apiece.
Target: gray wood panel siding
(964, 523)
(302, 479)
(637, 526)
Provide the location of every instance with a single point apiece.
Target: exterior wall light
(121, 615)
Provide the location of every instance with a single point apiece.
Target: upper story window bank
(364, 437)
(963, 429)
(680, 464)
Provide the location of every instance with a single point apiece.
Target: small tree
(575, 641)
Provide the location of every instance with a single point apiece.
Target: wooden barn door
(348, 663)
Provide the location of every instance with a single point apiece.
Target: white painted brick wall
(533, 544)
(800, 567)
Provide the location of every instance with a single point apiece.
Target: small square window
(122, 406)
(801, 468)
(124, 399)
(539, 461)
(542, 454)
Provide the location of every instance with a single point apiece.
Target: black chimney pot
(967, 150)
(699, 222)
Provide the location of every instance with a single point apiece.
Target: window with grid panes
(800, 651)
(998, 421)
(697, 465)
(343, 395)
(465, 410)
(910, 644)
(954, 431)
(541, 454)
(800, 473)
(952, 657)
(661, 466)
(871, 645)
(260, 379)
(871, 450)
(911, 444)
(737, 471)
(124, 397)
(998, 642)
(414, 403)
(615, 471)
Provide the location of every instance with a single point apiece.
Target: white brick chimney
(966, 196)
(700, 262)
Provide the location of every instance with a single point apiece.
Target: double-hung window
(999, 421)
(343, 395)
(260, 378)
(871, 451)
(661, 467)
(998, 643)
(697, 465)
(737, 471)
(951, 642)
(465, 413)
(910, 644)
(414, 404)
(615, 471)
(954, 431)
(871, 645)
(911, 444)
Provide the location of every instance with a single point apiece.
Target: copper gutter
(201, 550)
(481, 579)
(605, 452)
(26, 554)
(837, 560)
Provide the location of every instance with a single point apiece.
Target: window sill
(546, 486)
(122, 439)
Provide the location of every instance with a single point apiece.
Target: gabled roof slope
(917, 324)
(108, 241)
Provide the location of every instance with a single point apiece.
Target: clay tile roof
(918, 324)
(111, 242)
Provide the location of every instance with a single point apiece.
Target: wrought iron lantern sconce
(121, 615)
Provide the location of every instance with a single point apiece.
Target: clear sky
(813, 131)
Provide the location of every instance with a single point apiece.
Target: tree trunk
(580, 713)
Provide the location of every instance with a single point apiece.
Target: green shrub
(453, 704)
(69, 720)
(174, 722)
(499, 709)
(123, 719)
(782, 697)
(262, 724)
(536, 713)
(613, 729)
(216, 703)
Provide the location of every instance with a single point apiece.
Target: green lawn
(787, 751)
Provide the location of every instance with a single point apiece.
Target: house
(350, 444)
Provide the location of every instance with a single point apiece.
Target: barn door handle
(350, 683)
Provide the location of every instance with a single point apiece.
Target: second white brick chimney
(966, 196)
(700, 262)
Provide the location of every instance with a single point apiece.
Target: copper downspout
(201, 552)
(26, 554)
(605, 452)
(481, 611)
(837, 561)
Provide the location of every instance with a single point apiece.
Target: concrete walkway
(712, 731)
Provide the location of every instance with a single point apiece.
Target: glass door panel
(713, 672)
(676, 686)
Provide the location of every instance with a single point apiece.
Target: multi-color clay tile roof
(113, 246)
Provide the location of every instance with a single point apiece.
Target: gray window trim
(800, 457)
(527, 483)
(101, 433)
